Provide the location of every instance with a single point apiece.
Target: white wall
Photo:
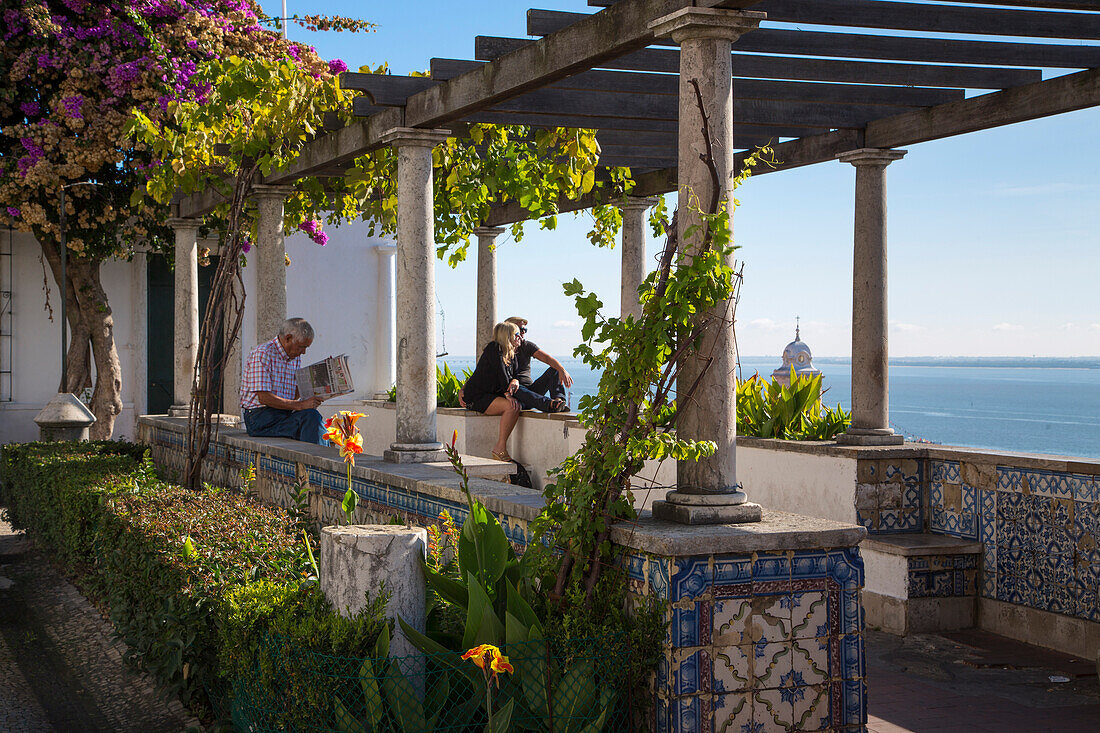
(803, 483)
(36, 341)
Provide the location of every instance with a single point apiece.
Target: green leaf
(482, 624)
(345, 721)
(372, 696)
(502, 719)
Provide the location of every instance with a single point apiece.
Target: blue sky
(994, 236)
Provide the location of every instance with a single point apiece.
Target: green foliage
(191, 579)
(771, 410)
(447, 386)
(263, 620)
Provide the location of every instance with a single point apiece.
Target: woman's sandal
(559, 405)
(502, 456)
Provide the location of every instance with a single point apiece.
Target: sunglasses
(522, 329)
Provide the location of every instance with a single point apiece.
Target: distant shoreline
(998, 362)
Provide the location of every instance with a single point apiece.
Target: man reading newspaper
(269, 390)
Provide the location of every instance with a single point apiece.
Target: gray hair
(299, 328)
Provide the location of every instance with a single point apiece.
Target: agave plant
(770, 409)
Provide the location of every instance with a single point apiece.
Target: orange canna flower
(454, 439)
(351, 446)
(488, 654)
(342, 432)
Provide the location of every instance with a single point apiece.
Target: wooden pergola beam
(929, 18)
(867, 46)
(487, 48)
(1042, 99)
(646, 83)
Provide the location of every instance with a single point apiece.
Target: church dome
(796, 354)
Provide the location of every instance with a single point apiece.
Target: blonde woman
(491, 387)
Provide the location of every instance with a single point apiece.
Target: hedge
(193, 580)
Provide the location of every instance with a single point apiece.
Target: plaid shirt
(269, 369)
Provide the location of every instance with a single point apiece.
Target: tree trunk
(107, 396)
(90, 322)
(79, 357)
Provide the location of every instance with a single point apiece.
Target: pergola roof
(811, 94)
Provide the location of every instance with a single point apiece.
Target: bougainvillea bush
(72, 74)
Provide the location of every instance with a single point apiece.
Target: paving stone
(61, 668)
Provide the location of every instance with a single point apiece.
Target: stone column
(707, 491)
(139, 333)
(385, 365)
(415, 280)
(270, 261)
(356, 560)
(634, 265)
(870, 372)
(486, 285)
(186, 335)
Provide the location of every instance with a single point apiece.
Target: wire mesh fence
(570, 686)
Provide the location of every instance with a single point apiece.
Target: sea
(1028, 405)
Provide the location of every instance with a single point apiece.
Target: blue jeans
(538, 394)
(267, 422)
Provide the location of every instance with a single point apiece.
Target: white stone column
(270, 260)
(707, 491)
(415, 280)
(385, 353)
(357, 560)
(870, 355)
(634, 264)
(486, 285)
(186, 336)
(139, 333)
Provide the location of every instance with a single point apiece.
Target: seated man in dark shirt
(547, 393)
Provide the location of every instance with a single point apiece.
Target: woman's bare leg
(509, 410)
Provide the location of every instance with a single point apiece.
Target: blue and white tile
(812, 712)
(854, 710)
(733, 714)
(692, 577)
(657, 575)
(686, 714)
(732, 570)
(685, 626)
(732, 619)
(691, 674)
(1008, 478)
(770, 663)
(1086, 488)
(810, 659)
(851, 612)
(846, 567)
(768, 566)
(935, 493)
(809, 615)
(733, 667)
(809, 564)
(773, 708)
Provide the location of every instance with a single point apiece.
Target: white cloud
(765, 323)
(1008, 327)
(1067, 327)
(565, 324)
(906, 327)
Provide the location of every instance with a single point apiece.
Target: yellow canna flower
(488, 654)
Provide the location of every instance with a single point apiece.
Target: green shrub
(447, 385)
(192, 579)
(771, 410)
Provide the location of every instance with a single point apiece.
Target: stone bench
(920, 582)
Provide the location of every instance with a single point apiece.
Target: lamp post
(65, 417)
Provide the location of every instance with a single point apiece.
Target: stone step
(918, 582)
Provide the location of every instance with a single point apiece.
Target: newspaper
(327, 378)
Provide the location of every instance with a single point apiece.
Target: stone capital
(385, 250)
(697, 23)
(413, 136)
(262, 191)
(490, 232)
(871, 156)
(634, 203)
(178, 223)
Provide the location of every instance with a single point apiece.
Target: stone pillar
(270, 261)
(634, 265)
(870, 355)
(486, 285)
(186, 335)
(385, 365)
(707, 491)
(355, 562)
(64, 419)
(415, 280)
(139, 334)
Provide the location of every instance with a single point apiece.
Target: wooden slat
(1051, 97)
(487, 48)
(858, 45)
(928, 18)
(340, 147)
(386, 90)
(642, 83)
(603, 105)
(584, 44)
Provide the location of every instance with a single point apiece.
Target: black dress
(490, 379)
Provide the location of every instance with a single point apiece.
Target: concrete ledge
(912, 545)
(919, 615)
(1068, 634)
